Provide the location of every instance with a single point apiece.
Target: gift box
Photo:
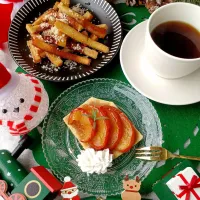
(185, 185)
(160, 187)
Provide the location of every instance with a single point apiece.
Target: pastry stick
(51, 20)
(40, 19)
(41, 53)
(93, 36)
(34, 52)
(90, 52)
(72, 22)
(55, 7)
(85, 33)
(37, 28)
(92, 28)
(36, 36)
(83, 50)
(66, 2)
(69, 11)
(105, 26)
(32, 29)
(62, 42)
(88, 15)
(66, 49)
(56, 60)
(77, 36)
(98, 31)
(53, 49)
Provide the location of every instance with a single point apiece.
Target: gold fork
(159, 153)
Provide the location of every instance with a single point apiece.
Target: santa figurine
(69, 190)
(23, 102)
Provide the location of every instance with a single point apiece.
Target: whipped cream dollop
(91, 161)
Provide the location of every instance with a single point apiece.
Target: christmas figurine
(182, 181)
(131, 189)
(17, 184)
(69, 190)
(153, 5)
(23, 102)
(39, 184)
(185, 184)
(135, 2)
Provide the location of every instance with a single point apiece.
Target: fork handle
(186, 157)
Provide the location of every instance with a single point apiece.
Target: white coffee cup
(164, 64)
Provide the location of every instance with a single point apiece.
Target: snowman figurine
(23, 102)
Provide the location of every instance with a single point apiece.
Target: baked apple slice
(101, 126)
(116, 128)
(128, 132)
(83, 124)
(129, 135)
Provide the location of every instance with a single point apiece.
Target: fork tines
(149, 148)
(149, 153)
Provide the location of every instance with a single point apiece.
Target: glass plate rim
(85, 82)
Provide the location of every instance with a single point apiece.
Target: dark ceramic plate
(18, 37)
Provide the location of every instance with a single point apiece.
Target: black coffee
(178, 39)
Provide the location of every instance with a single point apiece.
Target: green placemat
(178, 122)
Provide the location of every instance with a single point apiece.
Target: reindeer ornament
(131, 189)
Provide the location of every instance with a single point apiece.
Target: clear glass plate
(61, 147)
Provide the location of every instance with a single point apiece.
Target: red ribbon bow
(188, 188)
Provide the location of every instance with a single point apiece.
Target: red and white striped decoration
(15, 128)
(19, 127)
(37, 99)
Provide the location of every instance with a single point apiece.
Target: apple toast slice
(123, 145)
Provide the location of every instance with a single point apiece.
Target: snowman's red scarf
(19, 127)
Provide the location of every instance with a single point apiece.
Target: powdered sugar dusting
(79, 9)
(50, 34)
(62, 17)
(44, 25)
(69, 64)
(51, 15)
(77, 47)
(53, 34)
(50, 68)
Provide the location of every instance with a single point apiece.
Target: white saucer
(182, 91)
